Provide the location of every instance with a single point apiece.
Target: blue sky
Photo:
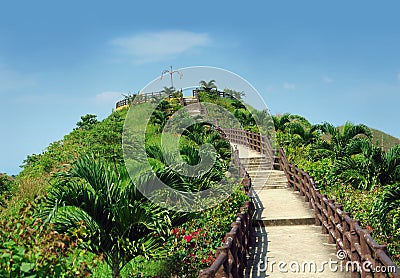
(328, 61)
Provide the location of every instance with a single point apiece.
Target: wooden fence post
(355, 243)
(331, 223)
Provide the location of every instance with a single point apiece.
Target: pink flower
(188, 238)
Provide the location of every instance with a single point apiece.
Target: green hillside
(87, 170)
(81, 184)
(384, 140)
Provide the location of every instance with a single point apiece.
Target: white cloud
(327, 79)
(152, 47)
(108, 97)
(289, 86)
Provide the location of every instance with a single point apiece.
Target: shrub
(29, 248)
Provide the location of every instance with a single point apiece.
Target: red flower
(183, 230)
(223, 240)
(369, 228)
(195, 233)
(188, 238)
(175, 231)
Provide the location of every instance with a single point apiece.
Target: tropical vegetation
(76, 210)
(77, 199)
(352, 166)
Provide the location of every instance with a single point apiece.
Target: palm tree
(281, 122)
(391, 166)
(121, 222)
(207, 86)
(338, 138)
(388, 201)
(307, 135)
(236, 94)
(130, 98)
(172, 92)
(361, 165)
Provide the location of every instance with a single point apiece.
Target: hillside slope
(384, 140)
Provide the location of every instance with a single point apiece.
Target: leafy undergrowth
(191, 246)
(361, 204)
(30, 248)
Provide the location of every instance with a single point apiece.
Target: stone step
(268, 180)
(258, 167)
(285, 221)
(259, 187)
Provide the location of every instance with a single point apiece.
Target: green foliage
(235, 94)
(87, 121)
(192, 245)
(348, 167)
(281, 121)
(6, 188)
(383, 140)
(207, 86)
(30, 248)
(338, 139)
(121, 222)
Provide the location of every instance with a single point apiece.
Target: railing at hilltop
(363, 254)
(140, 98)
(144, 97)
(231, 258)
(221, 94)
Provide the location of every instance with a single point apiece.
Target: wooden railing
(221, 94)
(140, 98)
(254, 141)
(231, 258)
(363, 256)
(367, 258)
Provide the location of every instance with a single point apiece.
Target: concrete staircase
(284, 230)
(192, 105)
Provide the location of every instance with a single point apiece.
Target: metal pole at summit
(171, 72)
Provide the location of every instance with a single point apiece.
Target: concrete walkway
(286, 242)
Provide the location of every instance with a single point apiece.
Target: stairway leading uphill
(284, 227)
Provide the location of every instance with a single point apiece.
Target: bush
(192, 246)
(6, 186)
(30, 248)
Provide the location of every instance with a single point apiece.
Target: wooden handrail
(343, 231)
(230, 259)
(232, 256)
(371, 258)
